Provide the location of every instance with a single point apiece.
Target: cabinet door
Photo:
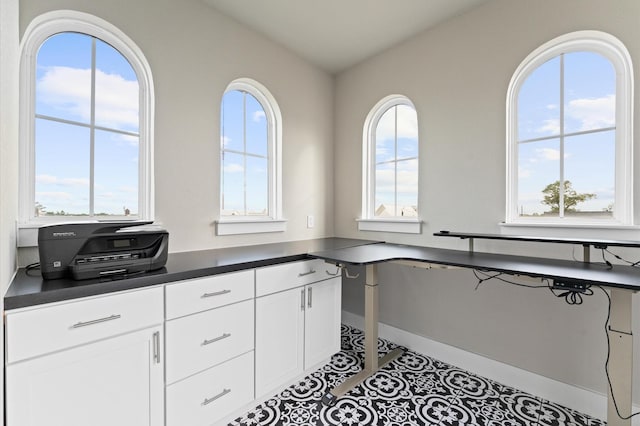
(118, 381)
(322, 321)
(279, 338)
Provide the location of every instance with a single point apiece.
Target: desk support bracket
(371, 361)
(621, 358)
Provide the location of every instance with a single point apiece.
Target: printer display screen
(122, 243)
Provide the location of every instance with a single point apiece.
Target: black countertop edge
(29, 289)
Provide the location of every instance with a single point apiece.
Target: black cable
(606, 363)
(498, 276)
(31, 267)
(634, 264)
(609, 265)
(572, 297)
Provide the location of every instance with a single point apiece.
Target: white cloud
(67, 90)
(225, 140)
(407, 124)
(54, 180)
(593, 113)
(259, 116)
(551, 126)
(233, 168)
(407, 181)
(548, 154)
(54, 194)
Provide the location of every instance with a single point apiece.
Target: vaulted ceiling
(336, 34)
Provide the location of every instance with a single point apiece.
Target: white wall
(457, 76)
(194, 52)
(8, 151)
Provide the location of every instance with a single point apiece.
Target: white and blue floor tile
(412, 390)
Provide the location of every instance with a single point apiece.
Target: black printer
(101, 249)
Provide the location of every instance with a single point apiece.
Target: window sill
(402, 226)
(249, 226)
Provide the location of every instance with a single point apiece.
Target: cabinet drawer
(281, 277)
(211, 395)
(47, 329)
(191, 296)
(197, 342)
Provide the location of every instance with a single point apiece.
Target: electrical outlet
(310, 221)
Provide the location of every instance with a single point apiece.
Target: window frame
(38, 31)
(273, 221)
(614, 50)
(368, 221)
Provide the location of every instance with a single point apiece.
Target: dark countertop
(596, 273)
(28, 288)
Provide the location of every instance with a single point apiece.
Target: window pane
(538, 167)
(62, 168)
(117, 93)
(115, 174)
(257, 186)
(385, 204)
(539, 102)
(63, 77)
(385, 136)
(232, 184)
(407, 128)
(590, 87)
(232, 121)
(589, 166)
(408, 188)
(256, 127)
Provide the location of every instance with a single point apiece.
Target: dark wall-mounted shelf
(581, 241)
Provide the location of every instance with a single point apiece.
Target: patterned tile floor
(412, 390)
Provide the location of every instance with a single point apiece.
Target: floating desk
(621, 281)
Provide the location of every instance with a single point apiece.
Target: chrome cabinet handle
(156, 347)
(215, 339)
(309, 296)
(217, 293)
(311, 271)
(95, 321)
(302, 299)
(208, 401)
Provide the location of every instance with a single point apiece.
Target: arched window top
(569, 133)
(70, 46)
(390, 167)
(250, 165)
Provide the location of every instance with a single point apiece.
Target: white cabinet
(322, 321)
(209, 348)
(297, 321)
(109, 373)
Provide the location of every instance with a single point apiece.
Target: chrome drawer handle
(311, 271)
(208, 401)
(217, 293)
(215, 339)
(96, 321)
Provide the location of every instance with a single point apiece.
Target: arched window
(390, 177)
(86, 122)
(250, 183)
(569, 133)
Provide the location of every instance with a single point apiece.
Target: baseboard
(585, 401)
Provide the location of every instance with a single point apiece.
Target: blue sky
(589, 104)
(245, 168)
(63, 92)
(399, 124)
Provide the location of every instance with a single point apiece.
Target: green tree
(571, 197)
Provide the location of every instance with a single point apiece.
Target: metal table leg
(620, 358)
(371, 361)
